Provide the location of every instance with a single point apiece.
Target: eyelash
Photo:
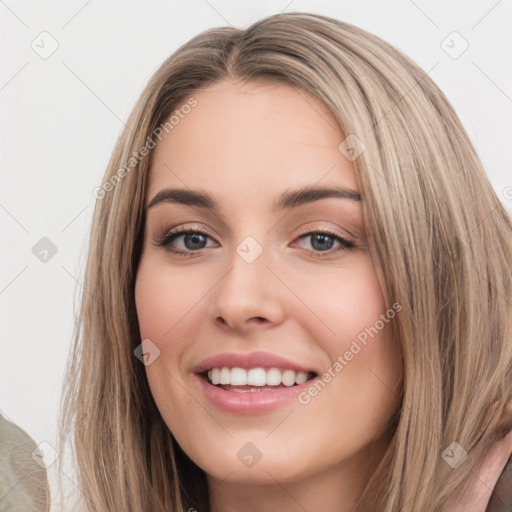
(168, 237)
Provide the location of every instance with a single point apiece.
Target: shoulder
(23, 481)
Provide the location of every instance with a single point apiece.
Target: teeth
(214, 375)
(273, 377)
(288, 378)
(225, 377)
(238, 377)
(301, 377)
(258, 377)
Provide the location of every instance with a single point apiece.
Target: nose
(249, 296)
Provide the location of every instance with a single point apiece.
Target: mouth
(259, 379)
(251, 383)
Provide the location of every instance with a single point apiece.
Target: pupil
(194, 238)
(323, 242)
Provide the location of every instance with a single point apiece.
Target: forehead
(250, 140)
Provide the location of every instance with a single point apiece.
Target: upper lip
(249, 360)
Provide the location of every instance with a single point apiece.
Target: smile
(251, 383)
(255, 379)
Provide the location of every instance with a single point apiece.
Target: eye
(323, 241)
(193, 240)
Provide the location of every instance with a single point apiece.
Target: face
(248, 285)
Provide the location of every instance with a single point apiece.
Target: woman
(340, 339)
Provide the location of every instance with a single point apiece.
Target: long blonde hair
(439, 237)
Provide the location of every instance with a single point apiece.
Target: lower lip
(250, 402)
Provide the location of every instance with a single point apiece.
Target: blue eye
(195, 240)
(323, 241)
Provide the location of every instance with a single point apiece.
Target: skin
(245, 145)
(484, 480)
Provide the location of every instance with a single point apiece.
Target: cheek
(346, 301)
(361, 386)
(164, 299)
(166, 302)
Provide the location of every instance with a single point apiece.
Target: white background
(60, 118)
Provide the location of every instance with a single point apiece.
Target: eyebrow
(289, 199)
